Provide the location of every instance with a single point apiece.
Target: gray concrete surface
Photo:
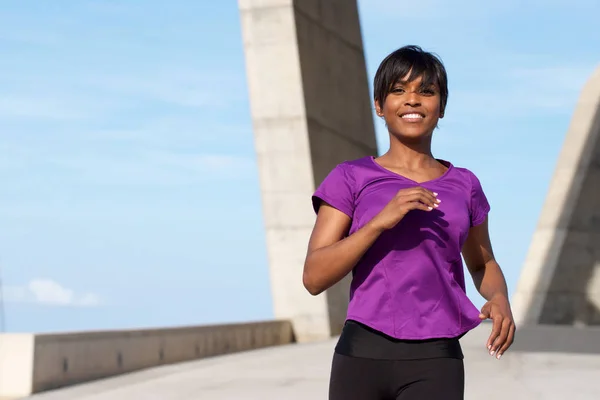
(301, 371)
(31, 363)
(311, 109)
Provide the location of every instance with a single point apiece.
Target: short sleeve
(337, 190)
(480, 206)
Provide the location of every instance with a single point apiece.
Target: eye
(397, 90)
(428, 91)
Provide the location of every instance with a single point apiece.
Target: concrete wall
(311, 110)
(33, 363)
(560, 280)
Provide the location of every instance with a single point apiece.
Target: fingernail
(435, 205)
(489, 347)
(430, 208)
(435, 194)
(438, 200)
(492, 353)
(499, 355)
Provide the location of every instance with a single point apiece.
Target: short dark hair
(419, 63)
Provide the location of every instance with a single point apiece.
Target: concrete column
(560, 280)
(16, 365)
(311, 109)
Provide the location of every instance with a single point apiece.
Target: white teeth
(410, 116)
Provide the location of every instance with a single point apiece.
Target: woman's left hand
(503, 328)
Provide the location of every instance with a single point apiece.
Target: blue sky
(127, 162)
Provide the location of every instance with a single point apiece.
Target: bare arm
(491, 284)
(330, 256)
(479, 257)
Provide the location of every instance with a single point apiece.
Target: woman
(400, 223)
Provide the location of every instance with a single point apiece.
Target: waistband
(362, 341)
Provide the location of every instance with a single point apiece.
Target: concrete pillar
(560, 280)
(311, 109)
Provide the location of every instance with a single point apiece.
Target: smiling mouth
(412, 116)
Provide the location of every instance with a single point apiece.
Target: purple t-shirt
(410, 284)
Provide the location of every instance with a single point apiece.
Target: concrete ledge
(558, 339)
(531, 339)
(33, 363)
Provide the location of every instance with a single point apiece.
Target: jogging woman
(400, 223)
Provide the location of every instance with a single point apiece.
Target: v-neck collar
(448, 165)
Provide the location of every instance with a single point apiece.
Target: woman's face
(411, 112)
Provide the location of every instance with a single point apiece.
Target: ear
(378, 108)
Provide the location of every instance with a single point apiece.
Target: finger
(432, 195)
(422, 189)
(496, 329)
(415, 197)
(416, 191)
(485, 311)
(422, 197)
(509, 340)
(417, 205)
(427, 193)
(501, 339)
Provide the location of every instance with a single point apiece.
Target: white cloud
(49, 292)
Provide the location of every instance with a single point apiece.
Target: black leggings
(354, 378)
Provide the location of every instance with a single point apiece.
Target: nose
(412, 99)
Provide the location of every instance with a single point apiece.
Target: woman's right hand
(415, 198)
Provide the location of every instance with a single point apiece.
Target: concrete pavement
(301, 371)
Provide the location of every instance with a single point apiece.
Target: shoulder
(338, 189)
(350, 169)
(344, 177)
(468, 176)
(465, 172)
(479, 205)
(357, 163)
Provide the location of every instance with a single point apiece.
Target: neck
(410, 153)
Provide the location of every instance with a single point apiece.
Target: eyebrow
(432, 85)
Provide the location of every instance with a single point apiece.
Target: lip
(412, 120)
(412, 112)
